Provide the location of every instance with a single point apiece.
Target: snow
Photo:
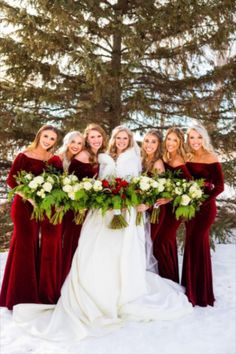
(209, 330)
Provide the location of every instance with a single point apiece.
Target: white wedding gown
(108, 284)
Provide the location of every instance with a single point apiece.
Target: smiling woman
(31, 273)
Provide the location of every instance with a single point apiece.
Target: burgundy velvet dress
(197, 270)
(20, 281)
(50, 256)
(165, 243)
(71, 231)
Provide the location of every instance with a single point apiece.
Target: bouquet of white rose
(146, 190)
(43, 191)
(187, 197)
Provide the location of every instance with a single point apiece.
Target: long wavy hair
(147, 165)
(68, 138)
(112, 149)
(206, 141)
(36, 140)
(181, 149)
(93, 158)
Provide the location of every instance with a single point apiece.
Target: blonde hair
(92, 156)
(148, 165)
(206, 143)
(68, 138)
(36, 140)
(112, 149)
(181, 149)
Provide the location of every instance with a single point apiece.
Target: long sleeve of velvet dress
(197, 269)
(165, 244)
(71, 231)
(20, 281)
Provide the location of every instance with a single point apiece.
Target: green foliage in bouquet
(146, 190)
(43, 192)
(112, 196)
(187, 197)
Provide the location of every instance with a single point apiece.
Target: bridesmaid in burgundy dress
(20, 281)
(85, 164)
(51, 257)
(152, 164)
(165, 244)
(197, 271)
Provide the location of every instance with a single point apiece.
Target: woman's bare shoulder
(210, 157)
(83, 156)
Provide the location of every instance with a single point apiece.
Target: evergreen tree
(143, 63)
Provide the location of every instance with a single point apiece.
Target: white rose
(161, 187)
(87, 186)
(67, 188)
(47, 186)
(154, 184)
(74, 178)
(50, 180)
(145, 179)
(71, 195)
(185, 200)
(41, 193)
(76, 187)
(66, 180)
(178, 191)
(97, 186)
(144, 186)
(39, 179)
(28, 176)
(33, 184)
(162, 180)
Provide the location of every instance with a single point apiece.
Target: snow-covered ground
(210, 330)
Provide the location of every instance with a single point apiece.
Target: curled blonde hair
(68, 139)
(148, 165)
(181, 149)
(206, 142)
(112, 149)
(36, 140)
(93, 159)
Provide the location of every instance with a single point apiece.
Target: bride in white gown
(108, 284)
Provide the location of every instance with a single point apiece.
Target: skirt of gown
(107, 285)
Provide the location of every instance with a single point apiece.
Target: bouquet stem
(118, 221)
(79, 217)
(139, 218)
(155, 215)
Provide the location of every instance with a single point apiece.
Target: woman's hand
(142, 207)
(162, 201)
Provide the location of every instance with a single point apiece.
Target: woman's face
(150, 144)
(95, 140)
(195, 140)
(75, 145)
(121, 141)
(47, 139)
(172, 143)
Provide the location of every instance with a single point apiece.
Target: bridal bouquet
(84, 191)
(146, 190)
(112, 195)
(187, 197)
(42, 191)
